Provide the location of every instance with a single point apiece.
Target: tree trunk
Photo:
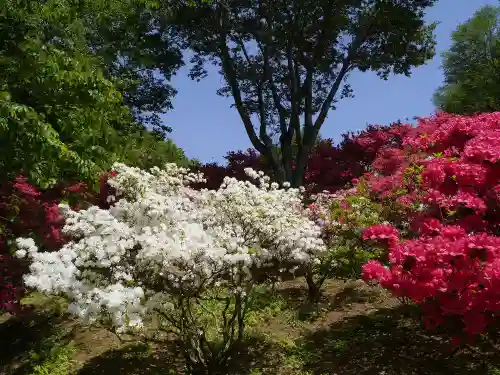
(314, 290)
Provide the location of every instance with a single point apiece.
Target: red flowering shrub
(26, 211)
(332, 167)
(445, 183)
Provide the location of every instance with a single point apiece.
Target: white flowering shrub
(189, 257)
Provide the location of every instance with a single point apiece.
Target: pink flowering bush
(444, 248)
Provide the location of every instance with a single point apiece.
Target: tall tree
(131, 37)
(472, 66)
(60, 116)
(286, 62)
(128, 36)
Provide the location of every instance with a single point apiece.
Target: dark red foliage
(237, 161)
(26, 211)
(330, 167)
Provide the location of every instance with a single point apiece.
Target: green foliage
(343, 218)
(54, 354)
(63, 116)
(132, 39)
(347, 251)
(144, 150)
(478, 90)
(57, 361)
(59, 107)
(268, 306)
(129, 37)
(472, 66)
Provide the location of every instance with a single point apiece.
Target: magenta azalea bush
(445, 255)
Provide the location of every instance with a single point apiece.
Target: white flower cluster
(163, 239)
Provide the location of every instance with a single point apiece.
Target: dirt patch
(92, 342)
(356, 329)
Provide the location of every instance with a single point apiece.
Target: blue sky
(207, 128)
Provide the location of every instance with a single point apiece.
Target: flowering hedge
(164, 249)
(445, 185)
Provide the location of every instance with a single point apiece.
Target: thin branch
(227, 63)
(331, 95)
(346, 66)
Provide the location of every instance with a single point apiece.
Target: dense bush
(444, 186)
(190, 257)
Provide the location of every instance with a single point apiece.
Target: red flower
(22, 185)
(451, 163)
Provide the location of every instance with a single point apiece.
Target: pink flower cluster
(453, 275)
(447, 178)
(384, 234)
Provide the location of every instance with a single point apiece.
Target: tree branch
(308, 94)
(262, 109)
(346, 66)
(268, 75)
(228, 67)
(325, 107)
(294, 88)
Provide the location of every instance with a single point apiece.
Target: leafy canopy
(61, 117)
(471, 66)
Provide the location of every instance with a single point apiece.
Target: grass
(356, 330)
(58, 360)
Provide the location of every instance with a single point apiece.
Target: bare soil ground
(357, 330)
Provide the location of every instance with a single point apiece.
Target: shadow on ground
(391, 342)
(141, 359)
(337, 296)
(21, 337)
(134, 359)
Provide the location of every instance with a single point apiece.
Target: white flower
(25, 243)
(21, 253)
(161, 232)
